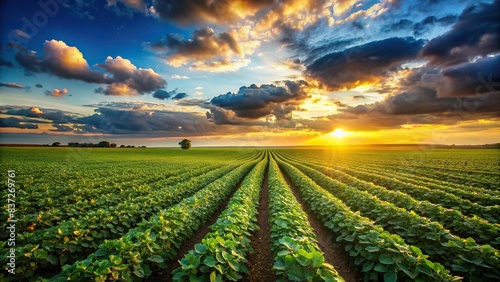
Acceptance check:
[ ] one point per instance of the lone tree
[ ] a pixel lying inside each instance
(185, 144)
(104, 144)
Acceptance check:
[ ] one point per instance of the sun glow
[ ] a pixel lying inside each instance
(339, 133)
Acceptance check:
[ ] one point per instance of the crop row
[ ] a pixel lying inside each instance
(491, 213)
(380, 255)
(73, 239)
(463, 256)
(481, 230)
(222, 253)
(408, 172)
(133, 193)
(152, 242)
(480, 196)
(459, 177)
(297, 254)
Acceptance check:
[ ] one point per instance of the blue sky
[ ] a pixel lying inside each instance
(249, 72)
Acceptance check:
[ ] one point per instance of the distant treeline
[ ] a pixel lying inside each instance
(483, 146)
(102, 144)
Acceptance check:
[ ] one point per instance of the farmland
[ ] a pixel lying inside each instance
(251, 214)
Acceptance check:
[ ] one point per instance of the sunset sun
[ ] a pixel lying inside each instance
(339, 133)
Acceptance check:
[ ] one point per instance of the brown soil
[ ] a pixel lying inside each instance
(166, 273)
(334, 252)
(261, 262)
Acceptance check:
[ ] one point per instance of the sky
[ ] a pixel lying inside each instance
(250, 72)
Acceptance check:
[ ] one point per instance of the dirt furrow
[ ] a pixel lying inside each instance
(165, 274)
(333, 252)
(260, 263)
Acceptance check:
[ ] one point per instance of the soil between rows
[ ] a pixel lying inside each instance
(260, 263)
(333, 252)
(166, 274)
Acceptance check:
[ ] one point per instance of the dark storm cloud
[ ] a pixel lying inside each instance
(200, 11)
(364, 63)
(12, 85)
(123, 121)
(481, 76)
(6, 63)
(425, 101)
(38, 85)
(422, 106)
(17, 123)
(255, 102)
(477, 32)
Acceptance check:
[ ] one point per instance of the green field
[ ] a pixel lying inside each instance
(213, 214)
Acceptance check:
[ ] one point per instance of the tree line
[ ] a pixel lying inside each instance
(102, 144)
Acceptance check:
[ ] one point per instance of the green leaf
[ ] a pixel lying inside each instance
(367, 266)
(40, 254)
(210, 261)
(385, 259)
(317, 259)
(179, 275)
(380, 268)
(53, 259)
(115, 259)
(215, 277)
(139, 272)
(200, 248)
(372, 249)
(279, 264)
(390, 277)
(156, 258)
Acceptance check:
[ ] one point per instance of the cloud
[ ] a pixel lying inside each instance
(179, 96)
(176, 76)
(17, 123)
(369, 62)
(203, 49)
(68, 62)
(201, 11)
(53, 115)
(138, 5)
(38, 85)
(57, 93)
(61, 128)
(21, 33)
(162, 94)
(468, 79)
(160, 122)
(255, 102)
(358, 97)
(477, 33)
(424, 25)
(61, 60)
(339, 104)
(128, 80)
(6, 63)
(12, 85)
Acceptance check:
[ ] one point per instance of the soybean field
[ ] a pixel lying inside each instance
(250, 214)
